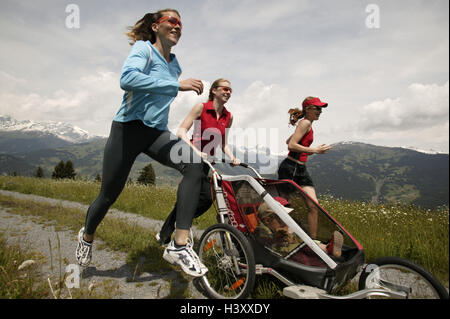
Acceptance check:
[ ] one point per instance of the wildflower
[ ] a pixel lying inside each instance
(26, 264)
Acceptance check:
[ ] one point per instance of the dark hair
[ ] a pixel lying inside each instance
(296, 114)
(142, 30)
(215, 85)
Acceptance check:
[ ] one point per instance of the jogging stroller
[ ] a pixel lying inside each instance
(242, 246)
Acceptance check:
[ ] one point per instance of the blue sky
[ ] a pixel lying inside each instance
(385, 86)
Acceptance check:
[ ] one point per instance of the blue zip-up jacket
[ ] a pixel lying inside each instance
(150, 84)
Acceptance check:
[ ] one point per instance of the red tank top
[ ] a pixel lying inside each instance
(306, 140)
(209, 132)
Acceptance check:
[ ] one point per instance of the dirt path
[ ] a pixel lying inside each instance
(108, 272)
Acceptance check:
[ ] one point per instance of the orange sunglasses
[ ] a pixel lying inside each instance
(172, 20)
(226, 89)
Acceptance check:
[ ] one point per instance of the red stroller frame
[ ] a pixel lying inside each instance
(301, 265)
(242, 245)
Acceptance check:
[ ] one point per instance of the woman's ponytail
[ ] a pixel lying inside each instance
(142, 30)
(295, 115)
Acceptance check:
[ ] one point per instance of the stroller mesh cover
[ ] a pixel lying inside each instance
(250, 214)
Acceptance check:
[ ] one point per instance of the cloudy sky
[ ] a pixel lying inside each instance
(381, 65)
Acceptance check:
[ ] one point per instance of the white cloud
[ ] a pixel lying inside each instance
(423, 106)
(9, 82)
(89, 104)
(252, 14)
(260, 105)
(419, 119)
(261, 110)
(274, 52)
(257, 111)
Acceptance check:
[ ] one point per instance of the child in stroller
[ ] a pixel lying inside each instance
(273, 233)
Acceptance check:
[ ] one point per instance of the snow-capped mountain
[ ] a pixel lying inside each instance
(412, 148)
(64, 131)
(430, 151)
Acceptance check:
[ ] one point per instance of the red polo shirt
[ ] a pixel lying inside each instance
(209, 132)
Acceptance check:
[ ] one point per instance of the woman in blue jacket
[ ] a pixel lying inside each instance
(150, 79)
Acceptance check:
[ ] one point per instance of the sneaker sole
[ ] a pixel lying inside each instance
(80, 236)
(171, 261)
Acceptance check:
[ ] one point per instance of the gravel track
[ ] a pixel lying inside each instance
(108, 268)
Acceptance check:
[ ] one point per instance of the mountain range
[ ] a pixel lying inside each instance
(55, 131)
(351, 170)
(359, 171)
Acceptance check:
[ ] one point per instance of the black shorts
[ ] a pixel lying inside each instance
(297, 172)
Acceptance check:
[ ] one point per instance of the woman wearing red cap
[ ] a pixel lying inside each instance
(299, 146)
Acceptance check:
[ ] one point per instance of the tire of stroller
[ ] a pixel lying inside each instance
(404, 271)
(221, 281)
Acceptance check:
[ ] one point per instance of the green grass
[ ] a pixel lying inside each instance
(144, 254)
(19, 284)
(139, 243)
(29, 283)
(150, 201)
(419, 235)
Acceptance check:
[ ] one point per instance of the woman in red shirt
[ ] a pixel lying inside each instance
(211, 121)
(299, 146)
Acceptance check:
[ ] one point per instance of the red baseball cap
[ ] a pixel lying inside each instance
(315, 101)
(284, 202)
(281, 200)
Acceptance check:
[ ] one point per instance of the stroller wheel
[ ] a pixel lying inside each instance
(400, 274)
(230, 261)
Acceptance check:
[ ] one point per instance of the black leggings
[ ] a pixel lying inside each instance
(126, 141)
(204, 203)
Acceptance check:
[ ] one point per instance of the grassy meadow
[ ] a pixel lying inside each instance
(15, 283)
(419, 235)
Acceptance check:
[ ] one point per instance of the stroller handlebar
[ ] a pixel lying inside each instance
(211, 160)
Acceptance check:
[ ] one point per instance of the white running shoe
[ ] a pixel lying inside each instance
(84, 250)
(190, 242)
(186, 258)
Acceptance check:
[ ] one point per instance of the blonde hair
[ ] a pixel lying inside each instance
(215, 85)
(142, 29)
